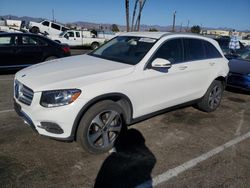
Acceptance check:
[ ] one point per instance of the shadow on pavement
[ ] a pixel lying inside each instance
(130, 166)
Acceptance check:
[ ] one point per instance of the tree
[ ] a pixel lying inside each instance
(135, 19)
(134, 12)
(127, 14)
(196, 29)
(114, 28)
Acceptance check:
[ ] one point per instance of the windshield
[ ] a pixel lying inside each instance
(125, 49)
(61, 34)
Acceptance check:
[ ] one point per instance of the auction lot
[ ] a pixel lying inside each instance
(150, 148)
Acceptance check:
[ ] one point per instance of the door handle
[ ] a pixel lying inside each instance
(183, 67)
(212, 63)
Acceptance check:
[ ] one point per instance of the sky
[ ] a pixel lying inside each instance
(206, 13)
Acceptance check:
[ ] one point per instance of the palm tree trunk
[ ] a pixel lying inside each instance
(133, 18)
(127, 14)
(138, 20)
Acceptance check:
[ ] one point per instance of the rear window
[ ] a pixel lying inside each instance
(30, 40)
(55, 26)
(194, 49)
(7, 40)
(211, 51)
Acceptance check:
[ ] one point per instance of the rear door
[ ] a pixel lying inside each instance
(29, 50)
(200, 70)
(7, 51)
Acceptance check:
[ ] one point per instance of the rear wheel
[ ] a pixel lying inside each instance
(211, 100)
(94, 45)
(34, 30)
(100, 127)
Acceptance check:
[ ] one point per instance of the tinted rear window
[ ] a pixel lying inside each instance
(211, 51)
(55, 26)
(194, 49)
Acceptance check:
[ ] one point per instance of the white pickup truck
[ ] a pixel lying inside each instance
(79, 38)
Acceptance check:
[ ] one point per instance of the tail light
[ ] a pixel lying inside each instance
(66, 49)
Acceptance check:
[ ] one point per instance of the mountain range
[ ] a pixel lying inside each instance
(107, 26)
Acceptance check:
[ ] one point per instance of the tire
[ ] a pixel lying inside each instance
(50, 58)
(34, 30)
(100, 127)
(211, 100)
(94, 45)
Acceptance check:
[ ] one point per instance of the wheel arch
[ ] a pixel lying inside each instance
(119, 98)
(223, 80)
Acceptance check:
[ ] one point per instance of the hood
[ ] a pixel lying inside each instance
(239, 66)
(71, 72)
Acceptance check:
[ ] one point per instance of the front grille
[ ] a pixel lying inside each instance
(23, 93)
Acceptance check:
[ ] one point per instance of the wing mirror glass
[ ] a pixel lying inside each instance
(161, 63)
(66, 36)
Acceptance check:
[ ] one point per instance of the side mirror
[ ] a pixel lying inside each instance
(66, 36)
(161, 63)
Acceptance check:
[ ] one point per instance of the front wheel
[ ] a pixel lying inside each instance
(100, 127)
(211, 100)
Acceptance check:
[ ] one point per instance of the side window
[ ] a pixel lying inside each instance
(171, 50)
(71, 34)
(64, 29)
(46, 23)
(194, 49)
(7, 40)
(211, 51)
(55, 26)
(77, 34)
(27, 40)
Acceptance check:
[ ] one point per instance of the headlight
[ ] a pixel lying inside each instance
(56, 98)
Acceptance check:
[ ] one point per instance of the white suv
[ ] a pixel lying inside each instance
(90, 98)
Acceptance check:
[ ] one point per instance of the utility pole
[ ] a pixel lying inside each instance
(187, 26)
(53, 16)
(181, 27)
(173, 29)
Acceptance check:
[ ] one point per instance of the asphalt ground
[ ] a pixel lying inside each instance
(182, 148)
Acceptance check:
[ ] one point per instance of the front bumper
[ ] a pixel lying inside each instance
(24, 116)
(55, 122)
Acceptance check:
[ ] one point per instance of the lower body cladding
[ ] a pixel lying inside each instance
(54, 122)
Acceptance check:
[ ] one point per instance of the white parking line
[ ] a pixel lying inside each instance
(164, 177)
(5, 111)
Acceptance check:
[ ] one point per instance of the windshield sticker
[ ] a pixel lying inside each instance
(148, 40)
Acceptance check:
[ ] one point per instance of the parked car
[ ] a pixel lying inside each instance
(76, 38)
(18, 50)
(46, 27)
(91, 97)
(239, 75)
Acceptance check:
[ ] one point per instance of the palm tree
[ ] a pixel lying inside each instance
(133, 18)
(138, 20)
(127, 14)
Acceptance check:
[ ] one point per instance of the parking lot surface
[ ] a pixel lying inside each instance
(146, 151)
